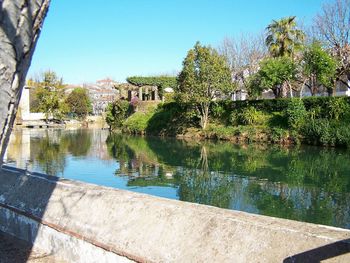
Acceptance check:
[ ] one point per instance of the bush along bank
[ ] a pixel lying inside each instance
(314, 120)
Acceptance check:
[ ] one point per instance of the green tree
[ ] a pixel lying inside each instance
(79, 103)
(332, 27)
(319, 68)
(277, 74)
(52, 103)
(283, 37)
(204, 76)
(49, 96)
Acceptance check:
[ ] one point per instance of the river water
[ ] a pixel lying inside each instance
(310, 184)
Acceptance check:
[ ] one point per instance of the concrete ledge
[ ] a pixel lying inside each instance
(143, 228)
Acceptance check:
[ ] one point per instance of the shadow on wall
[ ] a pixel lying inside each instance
(22, 206)
(320, 254)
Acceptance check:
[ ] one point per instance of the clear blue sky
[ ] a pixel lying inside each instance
(87, 40)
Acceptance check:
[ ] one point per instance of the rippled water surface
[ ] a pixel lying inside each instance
(307, 183)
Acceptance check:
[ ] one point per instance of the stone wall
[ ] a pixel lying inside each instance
(73, 220)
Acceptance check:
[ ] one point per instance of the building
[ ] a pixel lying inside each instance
(101, 94)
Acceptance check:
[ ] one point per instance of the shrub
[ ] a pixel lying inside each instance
(296, 114)
(342, 135)
(116, 113)
(138, 122)
(336, 108)
(217, 110)
(277, 134)
(319, 131)
(251, 116)
(234, 118)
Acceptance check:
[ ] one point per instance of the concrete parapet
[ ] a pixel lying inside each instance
(86, 223)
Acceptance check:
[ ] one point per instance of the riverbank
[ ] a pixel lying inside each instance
(320, 121)
(93, 122)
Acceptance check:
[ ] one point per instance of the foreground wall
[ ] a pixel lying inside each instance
(20, 26)
(85, 223)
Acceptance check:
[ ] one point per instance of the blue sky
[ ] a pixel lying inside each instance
(87, 40)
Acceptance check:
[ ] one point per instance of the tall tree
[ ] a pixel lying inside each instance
(319, 68)
(277, 74)
(283, 37)
(332, 27)
(243, 55)
(204, 76)
(20, 26)
(79, 103)
(49, 96)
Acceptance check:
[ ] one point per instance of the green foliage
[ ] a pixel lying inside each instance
(296, 114)
(221, 132)
(79, 103)
(49, 96)
(254, 86)
(217, 110)
(283, 37)
(274, 73)
(312, 120)
(325, 132)
(205, 73)
(280, 105)
(138, 122)
(161, 82)
(170, 119)
(116, 113)
(342, 134)
(251, 116)
(278, 134)
(234, 118)
(52, 103)
(320, 65)
(336, 108)
(319, 132)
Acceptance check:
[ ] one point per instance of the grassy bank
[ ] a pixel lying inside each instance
(315, 121)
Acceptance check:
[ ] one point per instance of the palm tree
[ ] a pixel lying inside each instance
(283, 37)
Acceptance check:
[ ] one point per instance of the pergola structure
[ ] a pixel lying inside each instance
(144, 93)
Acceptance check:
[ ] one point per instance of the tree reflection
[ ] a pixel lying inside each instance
(78, 142)
(307, 184)
(50, 155)
(49, 149)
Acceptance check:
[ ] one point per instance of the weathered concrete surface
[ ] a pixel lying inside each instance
(20, 26)
(150, 229)
(13, 250)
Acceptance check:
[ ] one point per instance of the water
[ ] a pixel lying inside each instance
(308, 184)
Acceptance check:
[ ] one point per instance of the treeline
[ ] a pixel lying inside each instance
(48, 96)
(312, 120)
(287, 59)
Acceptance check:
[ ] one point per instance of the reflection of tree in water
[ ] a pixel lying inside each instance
(78, 142)
(50, 155)
(50, 150)
(200, 185)
(301, 203)
(137, 161)
(308, 184)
